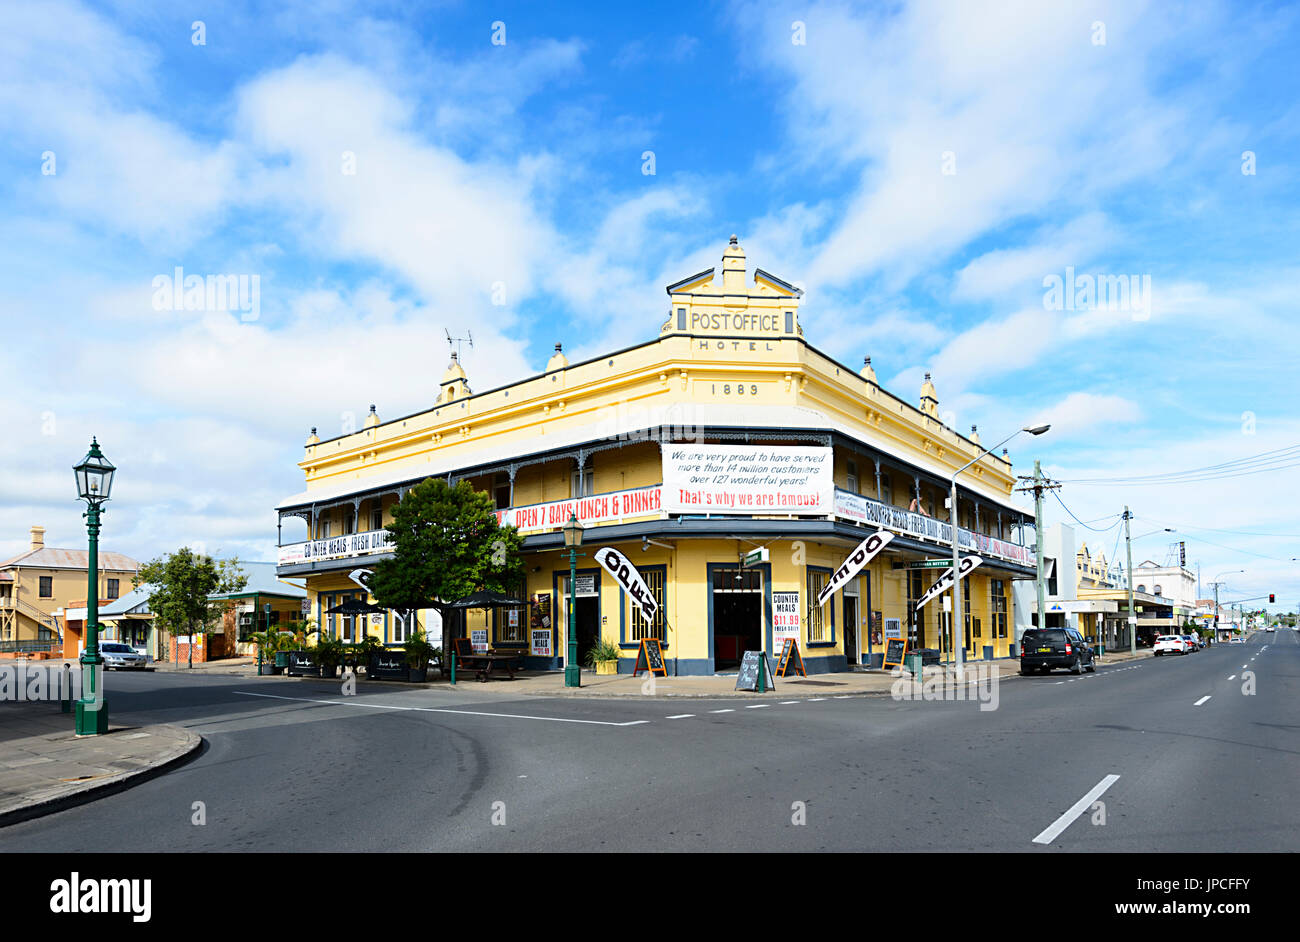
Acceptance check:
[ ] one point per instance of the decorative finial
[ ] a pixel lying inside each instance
(866, 361)
(557, 348)
(973, 429)
(313, 430)
(372, 408)
(733, 238)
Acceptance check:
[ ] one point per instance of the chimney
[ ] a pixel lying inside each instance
(38, 538)
(733, 268)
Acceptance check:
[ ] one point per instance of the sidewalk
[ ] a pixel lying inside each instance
(845, 683)
(45, 767)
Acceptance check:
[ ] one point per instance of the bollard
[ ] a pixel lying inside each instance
(453, 668)
(65, 701)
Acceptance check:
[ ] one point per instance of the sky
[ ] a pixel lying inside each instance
(932, 174)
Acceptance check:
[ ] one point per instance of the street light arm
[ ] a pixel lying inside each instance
(986, 452)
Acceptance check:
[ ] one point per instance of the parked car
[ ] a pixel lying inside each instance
(1193, 644)
(1170, 644)
(122, 656)
(1042, 649)
(1236, 639)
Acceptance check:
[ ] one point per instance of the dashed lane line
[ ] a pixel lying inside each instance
(1200, 701)
(1064, 821)
(680, 716)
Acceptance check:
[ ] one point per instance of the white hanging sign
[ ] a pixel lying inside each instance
(618, 566)
(944, 582)
(864, 553)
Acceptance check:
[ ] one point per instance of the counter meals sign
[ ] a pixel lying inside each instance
(747, 479)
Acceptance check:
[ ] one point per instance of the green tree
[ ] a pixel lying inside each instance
(180, 584)
(447, 544)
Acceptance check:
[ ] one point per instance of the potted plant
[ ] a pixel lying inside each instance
(603, 657)
(369, 649)
(273, 648)
(329, 653)
(418, 653)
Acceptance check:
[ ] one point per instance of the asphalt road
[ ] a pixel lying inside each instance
(1180, 756)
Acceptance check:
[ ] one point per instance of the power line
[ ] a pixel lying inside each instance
(1275, 460)
(1081, 523)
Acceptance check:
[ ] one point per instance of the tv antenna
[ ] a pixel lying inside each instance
(457, 341)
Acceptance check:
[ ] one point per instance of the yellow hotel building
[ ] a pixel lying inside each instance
(727, 434)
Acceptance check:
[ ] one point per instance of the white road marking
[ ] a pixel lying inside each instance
(1200, 701)
(384, 706)
(788, 702)
(1076, 809)
(758, 706)
(815, 699)
(1232, 677)
(680, 716)
(845, 696)
(722, 711)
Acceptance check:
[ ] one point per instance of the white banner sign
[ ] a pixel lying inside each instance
(864, 553)
(944, 582)
(478, 639)
(618, 566)
(785, 619)
(541, 642)
(747, 479)
(600, 508)
(866, 510)
(354, 544)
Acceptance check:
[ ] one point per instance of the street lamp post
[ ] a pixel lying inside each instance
(958, 621)
(572, 540)
(94, 485)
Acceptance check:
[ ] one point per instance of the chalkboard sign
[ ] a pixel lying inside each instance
(302, 664)
(791, 659)
(650, 657)
(389, 665)
(755, 668)
(895, 648)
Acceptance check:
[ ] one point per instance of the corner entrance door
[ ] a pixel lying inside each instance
(851, 628)
(737, 615)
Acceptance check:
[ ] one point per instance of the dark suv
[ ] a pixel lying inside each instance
(1041, 649)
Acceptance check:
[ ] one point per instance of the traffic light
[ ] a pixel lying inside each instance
(1270, 598)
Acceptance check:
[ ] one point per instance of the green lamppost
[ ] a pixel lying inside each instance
(572, 540)
(94, 484)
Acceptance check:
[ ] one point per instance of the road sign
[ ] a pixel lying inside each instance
(755, 557)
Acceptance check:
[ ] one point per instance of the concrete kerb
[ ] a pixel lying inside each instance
(186, 744)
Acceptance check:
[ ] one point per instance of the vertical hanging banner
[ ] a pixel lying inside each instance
(618, 566)
(944, 582)
(864, 553)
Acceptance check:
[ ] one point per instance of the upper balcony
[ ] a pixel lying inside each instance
(651, 502)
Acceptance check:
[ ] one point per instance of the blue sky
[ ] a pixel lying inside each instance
(919, 168)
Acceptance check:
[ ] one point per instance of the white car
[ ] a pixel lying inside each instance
(1236, 640)
(122, 656)
(1270, 629)
(1170, 644)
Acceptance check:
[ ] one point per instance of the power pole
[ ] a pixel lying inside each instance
(1039, 484)
(1132, 612)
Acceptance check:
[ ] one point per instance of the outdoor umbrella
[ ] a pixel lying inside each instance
(488, 600)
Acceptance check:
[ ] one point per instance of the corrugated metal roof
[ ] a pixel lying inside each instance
(135, 602)
(262, 579)
(48, 557)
